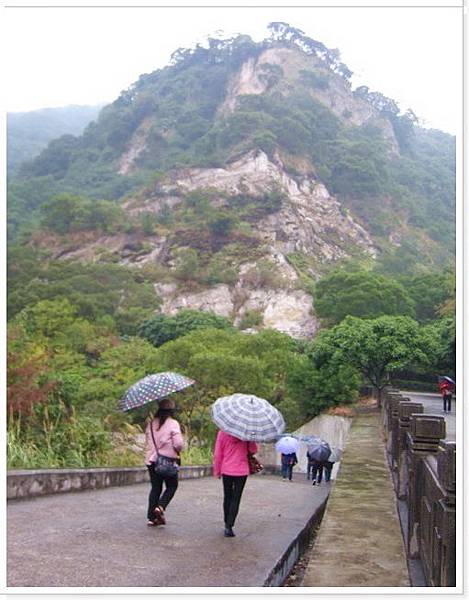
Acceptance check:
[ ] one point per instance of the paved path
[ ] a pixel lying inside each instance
(434, 406)
(100, 538)
(360, 543)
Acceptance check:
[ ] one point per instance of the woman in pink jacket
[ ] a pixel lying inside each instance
(162, 437)
(230, 461)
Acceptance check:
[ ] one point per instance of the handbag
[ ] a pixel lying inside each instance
(254, 465)
(164, 465)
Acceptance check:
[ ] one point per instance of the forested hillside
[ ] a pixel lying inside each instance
(244, 187)
(29, 132)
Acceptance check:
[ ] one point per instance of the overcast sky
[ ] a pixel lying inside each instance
(60, 56)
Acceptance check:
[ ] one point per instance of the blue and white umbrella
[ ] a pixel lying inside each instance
(153, 387)
(309, 438)
(247, 417)
(287, 445)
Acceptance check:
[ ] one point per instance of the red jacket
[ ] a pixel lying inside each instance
(231, 455)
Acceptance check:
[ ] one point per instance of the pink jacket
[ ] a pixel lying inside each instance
(168, 439)
(231, 455)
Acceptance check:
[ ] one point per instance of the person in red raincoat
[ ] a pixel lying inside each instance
(446, 390)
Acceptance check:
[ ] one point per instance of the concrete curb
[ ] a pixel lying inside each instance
(295, 550)
(41, 482)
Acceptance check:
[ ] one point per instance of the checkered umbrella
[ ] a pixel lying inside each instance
(248, 417)
(153, 387)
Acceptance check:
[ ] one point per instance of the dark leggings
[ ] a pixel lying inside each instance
(156, 498)
(316, 473)
(447, 402)
(232, 489)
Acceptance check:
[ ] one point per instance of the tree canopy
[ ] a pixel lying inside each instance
(361, 294)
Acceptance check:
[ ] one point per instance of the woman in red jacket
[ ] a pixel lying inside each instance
(230, 461)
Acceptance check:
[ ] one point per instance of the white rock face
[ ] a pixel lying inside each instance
(289, 311)
(310, 221)
(217, 299)
(337, 96)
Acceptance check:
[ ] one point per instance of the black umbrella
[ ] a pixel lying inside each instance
(319, 450)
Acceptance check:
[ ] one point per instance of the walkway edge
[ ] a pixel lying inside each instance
(295, 550)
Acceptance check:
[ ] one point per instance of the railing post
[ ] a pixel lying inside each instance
(393, 441)
(445, 525)
(426, 431)
(388, 393)
(406, 410)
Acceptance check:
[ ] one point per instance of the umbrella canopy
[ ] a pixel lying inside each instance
(153, 387)
(335, 455)
(319, 449)
(309, 438)
(247, 417)
(287, 445)
(444, 379)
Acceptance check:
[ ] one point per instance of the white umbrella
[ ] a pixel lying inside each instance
(287, 445)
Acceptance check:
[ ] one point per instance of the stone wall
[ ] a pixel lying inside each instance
(423, 468)
(330, 428)
(24, 484)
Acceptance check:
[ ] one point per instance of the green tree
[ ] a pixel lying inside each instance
(360, 294)
(374, 347)
(162, 328)
(222, 223)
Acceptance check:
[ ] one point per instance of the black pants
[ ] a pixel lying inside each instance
(328, 470)
(447, 402)
(156, 498)
(287, 470)
(232, 491)
(316, 472)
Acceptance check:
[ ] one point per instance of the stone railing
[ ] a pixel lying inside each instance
(24, 484)
(423, 467)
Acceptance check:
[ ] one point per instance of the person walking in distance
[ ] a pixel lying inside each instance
(334, 456)
(309, 466)
(317, 468)
(288, 462)
(447, 393)
(230, 462)
(163, 441)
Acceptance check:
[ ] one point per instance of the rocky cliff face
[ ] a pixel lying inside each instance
(337, 96)
(252, 79)
(309, 221)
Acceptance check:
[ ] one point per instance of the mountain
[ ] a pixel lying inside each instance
(237, 176)
(29, 132)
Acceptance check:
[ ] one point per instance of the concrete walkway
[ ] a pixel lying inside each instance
(360, 542)
(100, 538)
(433, 404)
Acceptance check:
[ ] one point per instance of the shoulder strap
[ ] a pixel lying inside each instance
(153, 437)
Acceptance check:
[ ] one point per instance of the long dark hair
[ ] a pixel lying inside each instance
(162, 414)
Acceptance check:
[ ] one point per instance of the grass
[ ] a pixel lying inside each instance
(23, 452)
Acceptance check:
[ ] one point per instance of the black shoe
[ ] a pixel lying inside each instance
(229, 532)
(314, 482)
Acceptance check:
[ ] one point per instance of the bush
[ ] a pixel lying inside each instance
(252, 318)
